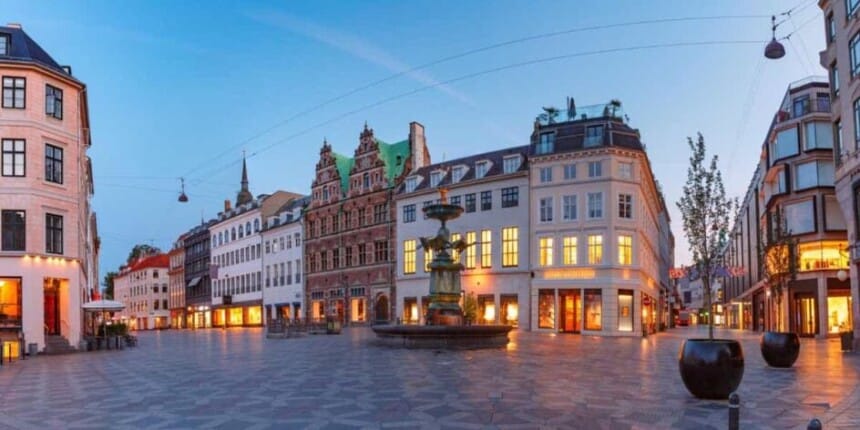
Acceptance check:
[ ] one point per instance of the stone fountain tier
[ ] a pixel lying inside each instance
(443, 336)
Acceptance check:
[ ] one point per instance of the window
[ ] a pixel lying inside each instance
(13, 157)
(366, 180)
(831, 28)
(409, 256)
(569, 171)
(486, 200)
(850, 8)
(510, 197)
(457, 174)
(834, 80)
(593, 136)
(595, 249)
(435, 178)
(568, 208)
(818, 135)
(593, 309)
(470, 202)
(481, 169)
(380, 213)
(545, 175)
(856, 123)
(625, 310)
(595, 205)
(411, 183)
(510, 241)
(785, 145)
(380, 250)
(545, 143)
(428, 258)
(424, 205)
(511, 164)
(545, 251)
(625, 170)
(800, 106)
(454, 200)
(14, 91)
(470, 250)
(822, 102)
(854, 50)
(362, 255)
(569, 251)
(546, 308)
(595, 169)
(53, 102)
(546, 209)
(4, 44)
(409, 213)
(455, 255)
(14, 230)
(814, 173)
(362, 216)
(625, 250)
(625, 206)
(800, 217)
(53, 164)
(486, 248)
(53, 234)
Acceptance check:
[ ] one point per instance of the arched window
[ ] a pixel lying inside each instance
(248, 228)
(325, 193)
(233, 233)
(241, 232)
(220, 238)
(256, 225)
(366, 180)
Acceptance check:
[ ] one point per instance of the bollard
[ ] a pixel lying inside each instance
(734, 411)
(815, 424)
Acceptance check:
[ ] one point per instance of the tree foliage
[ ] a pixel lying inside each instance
(107, 283)
(779, 256)
(141, 250)
(705, 212)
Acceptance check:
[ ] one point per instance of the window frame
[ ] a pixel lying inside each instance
(594, 211)
(54, 97)
(545, 209)
(510, 246)
(51, 162)
(510, 197)
(486, 200)
(7, 227)
(595, 169)
(625, 206)
(569, 207)
(14, 91)
(53, 233)
(13, 153)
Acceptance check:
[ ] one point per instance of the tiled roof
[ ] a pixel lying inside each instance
(496, 158)
(570, 136)
(25, 49)
(159, 260)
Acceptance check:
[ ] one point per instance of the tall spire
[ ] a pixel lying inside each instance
(244, 195)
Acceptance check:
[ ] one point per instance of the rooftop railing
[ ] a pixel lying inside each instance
(579, 113)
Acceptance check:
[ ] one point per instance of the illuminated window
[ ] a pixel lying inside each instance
(470, 251)
(255, 315)
(625, 310)
(486, 309)
(593, 310)
(486, 248)
(235, 316)
(569, 248)
(410, 310)
(625, 250)
(509, 310)
(428, 258)
(455, 255)
(409, 256)
(545, 251)
(839, 313)
(10, 301)
(510, 240)
(546, 309)
(823, 255)
(595, 249)
(357, 308)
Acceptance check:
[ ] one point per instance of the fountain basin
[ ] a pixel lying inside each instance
(443, 336)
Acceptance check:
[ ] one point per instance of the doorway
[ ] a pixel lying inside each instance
(381, 310)
(805, 315)
(571, 311)
(52, 306)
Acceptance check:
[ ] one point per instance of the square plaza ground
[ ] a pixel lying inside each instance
(237, 379)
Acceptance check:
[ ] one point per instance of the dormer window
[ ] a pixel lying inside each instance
(435, 178)
(593, 136)
(4, 44)
(511, 164)
(481, 169)
(457, 173)
(546, 143)
(411, 183)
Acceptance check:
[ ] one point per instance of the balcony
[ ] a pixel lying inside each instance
(551, 116)
(814, 105)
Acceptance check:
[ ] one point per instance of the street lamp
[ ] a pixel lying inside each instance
(774, 50)
(842, 275)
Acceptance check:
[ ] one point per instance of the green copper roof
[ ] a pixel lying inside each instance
(344, 167)
(389, 152)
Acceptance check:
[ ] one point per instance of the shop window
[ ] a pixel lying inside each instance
(357, 309)
(510, 310)
(546, 309)
(235, 316)
(255, 315)
(10, 302)
(410, 310)
(317, 310)
(839, 313)
(823, 255)
(625, 310)
(593, 309)
(487, 309)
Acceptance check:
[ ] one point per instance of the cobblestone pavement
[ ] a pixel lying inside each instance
(238, 379)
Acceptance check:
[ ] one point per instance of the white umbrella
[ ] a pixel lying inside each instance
(102, 306)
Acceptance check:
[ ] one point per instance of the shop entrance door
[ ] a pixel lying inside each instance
(571, 311)
(805, 318)
(52, 306)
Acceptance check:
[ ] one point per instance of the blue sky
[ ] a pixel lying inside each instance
(181, 88)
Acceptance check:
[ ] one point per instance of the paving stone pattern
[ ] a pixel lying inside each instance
(238, 379)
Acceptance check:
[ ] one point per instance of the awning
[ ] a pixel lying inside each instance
(194, 282)
(103, 305)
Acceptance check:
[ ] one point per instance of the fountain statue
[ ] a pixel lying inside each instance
(445, 325)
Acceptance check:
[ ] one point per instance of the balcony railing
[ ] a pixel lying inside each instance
(816, 105)
(578, 113)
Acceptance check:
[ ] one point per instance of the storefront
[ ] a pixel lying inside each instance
(238, 316)
(198, 317)
(623, 312)
(177, 319)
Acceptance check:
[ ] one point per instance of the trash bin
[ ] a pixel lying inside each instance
(847, 338)
(32, 349)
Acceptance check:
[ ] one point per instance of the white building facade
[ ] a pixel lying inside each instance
(142, 287)
(283, 291)
(493, 189)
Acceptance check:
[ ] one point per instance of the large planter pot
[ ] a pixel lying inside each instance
(780, 349)
(846, 338)
(711, 369)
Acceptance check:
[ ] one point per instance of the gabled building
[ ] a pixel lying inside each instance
(283, 291)
(493, 189)
(142, 287)
(350, 227)
(176, 283)
(49, 252)
(197, 279)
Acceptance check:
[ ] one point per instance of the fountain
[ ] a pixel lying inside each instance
(446, 326)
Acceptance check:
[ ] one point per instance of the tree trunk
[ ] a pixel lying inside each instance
(706, 284)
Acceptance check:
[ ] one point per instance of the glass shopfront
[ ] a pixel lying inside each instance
(410, 310)
(593, 309)
(357, 307)
(839, 312)
(510, 310)
(317, 310)
(546, 309)
(625, 310)
(255, 315)
(571, 311)
(486, 309)
(10, 302)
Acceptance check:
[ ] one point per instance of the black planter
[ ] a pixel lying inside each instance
(780, 349)
(711, 369)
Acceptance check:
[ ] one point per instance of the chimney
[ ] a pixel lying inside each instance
(227, 205)
(14, 25)
(418, 146)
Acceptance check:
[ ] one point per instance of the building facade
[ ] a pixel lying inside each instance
(493, 189)
(236, 250)
(350, 227)
(795, 188)
(841, 25)
(176, 284)
(142, 287)
(595, 209)
(197, 280)
(283, 290)
(49, 253)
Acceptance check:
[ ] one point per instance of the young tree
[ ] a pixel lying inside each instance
(107, 283)
(780, 258)
(705, 212)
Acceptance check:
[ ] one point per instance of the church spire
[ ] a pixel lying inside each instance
(244, 195)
